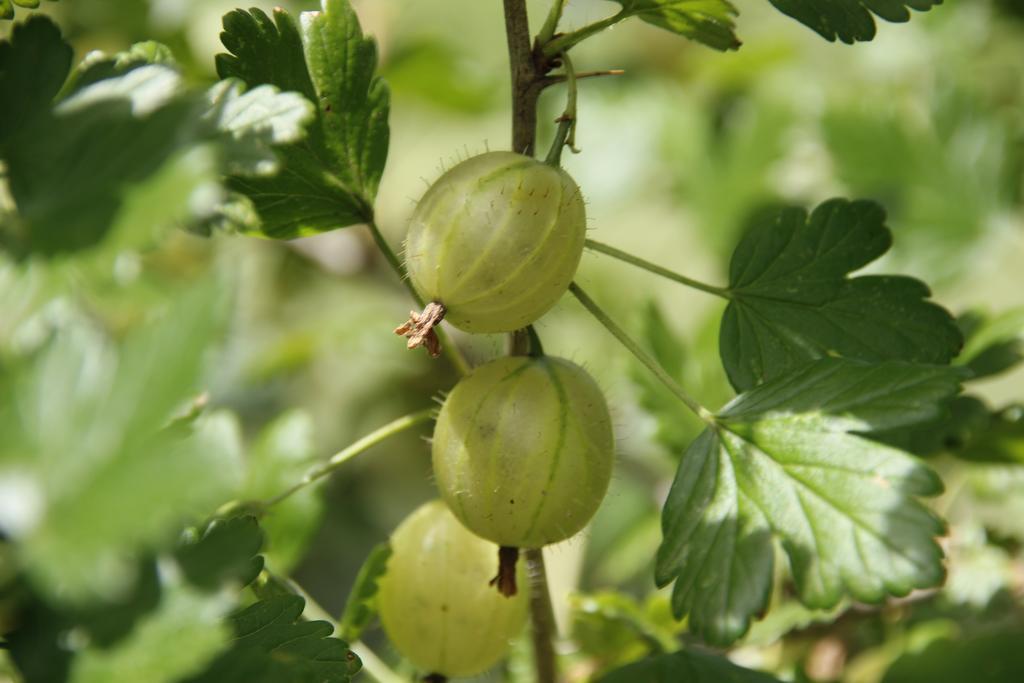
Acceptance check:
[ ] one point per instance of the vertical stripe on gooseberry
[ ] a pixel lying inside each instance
(462, 450)
(455, 224)
(541, 244)
(563, 417)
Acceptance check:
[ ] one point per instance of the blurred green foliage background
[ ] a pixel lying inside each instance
(928, 119)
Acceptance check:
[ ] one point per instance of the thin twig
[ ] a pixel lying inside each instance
(633, 347)
(341, 457)
(656, 269)
(555, 79)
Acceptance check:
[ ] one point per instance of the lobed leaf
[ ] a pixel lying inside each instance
(791, 301)
(850, 20)
(781, 463)
(707, 21)
(330, 179)
(272, 645)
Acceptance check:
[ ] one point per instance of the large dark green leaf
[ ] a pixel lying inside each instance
(74, 181)
(330, 179)
(792, 302)
(781, 462)
(689, 666)
(706, 21)
(850, 20)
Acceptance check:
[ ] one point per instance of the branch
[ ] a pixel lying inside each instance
(525, 77)
(548, 81)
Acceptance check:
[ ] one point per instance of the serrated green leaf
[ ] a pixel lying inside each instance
(74, 183)
(227, 551)
(330, 179)
(97, 479)
(271, 645)
(781, 463)
(850, 20)
(361, 607)
(71, 174)
(707, 21)
(34, 62)
(254, 122)
(792, 302)
(687, 665)
(179, 638)
(98, 66)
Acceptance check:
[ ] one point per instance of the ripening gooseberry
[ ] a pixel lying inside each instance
(523, 450)
(494, 243)
(434, 601)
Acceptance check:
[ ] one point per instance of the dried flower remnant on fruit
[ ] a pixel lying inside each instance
(495, 241)
(419, 328)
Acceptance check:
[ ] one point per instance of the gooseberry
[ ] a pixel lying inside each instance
(433, 598)
(493, 244)
(523, 450)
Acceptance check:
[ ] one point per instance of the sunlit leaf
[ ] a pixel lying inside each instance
(330, 179)
(780, 463)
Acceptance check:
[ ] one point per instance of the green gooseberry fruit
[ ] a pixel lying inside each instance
(496, 241)
(434, 601)
(523, 450)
